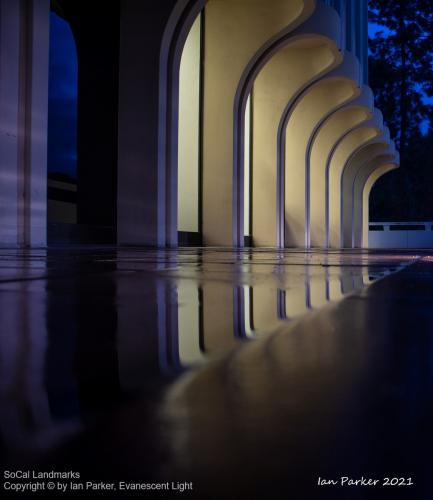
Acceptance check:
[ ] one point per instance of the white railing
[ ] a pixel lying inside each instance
(400, 234)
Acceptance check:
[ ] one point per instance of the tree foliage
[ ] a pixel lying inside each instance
(401, 75)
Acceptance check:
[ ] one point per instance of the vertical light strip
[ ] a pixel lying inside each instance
(247, 169)
(189, 131)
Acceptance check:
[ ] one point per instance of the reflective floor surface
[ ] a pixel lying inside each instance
(253, 374)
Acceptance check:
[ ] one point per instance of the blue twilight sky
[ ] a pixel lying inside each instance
(373, 28)
(62, 99)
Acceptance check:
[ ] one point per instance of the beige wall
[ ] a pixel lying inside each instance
(234, 31)
(282, 78)
(189, 132)
(322, 98)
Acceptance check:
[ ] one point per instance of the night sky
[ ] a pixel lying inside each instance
(62, 106)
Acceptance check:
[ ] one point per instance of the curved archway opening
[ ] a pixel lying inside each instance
(62, 125)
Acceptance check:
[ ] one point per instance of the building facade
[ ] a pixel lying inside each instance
(216, 123)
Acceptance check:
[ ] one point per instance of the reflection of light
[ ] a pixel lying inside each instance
(249, 332)
(214, 320)
(189, 323)
(297, 296)
(318, 288)
(335, 291)
(265, 308)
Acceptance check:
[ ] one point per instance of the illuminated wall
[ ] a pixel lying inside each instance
(189, 132)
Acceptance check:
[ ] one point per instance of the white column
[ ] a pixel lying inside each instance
(24, 47)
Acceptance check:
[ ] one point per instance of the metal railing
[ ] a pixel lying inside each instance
(401, 234)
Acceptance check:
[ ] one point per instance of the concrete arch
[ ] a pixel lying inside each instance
(358, 190)
(334, 128)
(151, 44)
(340, 154)
(239, 37)
(312, 51)
(301, 123)
(374, 176)
(357, 162)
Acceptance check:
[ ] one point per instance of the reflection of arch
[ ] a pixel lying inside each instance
(28, 411)
(382, 170)
(190, 323)
(319, 286)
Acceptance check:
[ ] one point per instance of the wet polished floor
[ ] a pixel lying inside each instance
(248, 374)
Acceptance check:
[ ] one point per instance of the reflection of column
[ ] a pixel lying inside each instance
(318, 276)
(248, 312)
(24, 29)
(189, 323)
(25, 413)
(347, 284)
(358, 281)
(93, 306)
(335, 290)
(61, 324)
(264, 308)
(143, 324)
(366, 278)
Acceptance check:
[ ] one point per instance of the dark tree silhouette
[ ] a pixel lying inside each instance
(401, 75)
